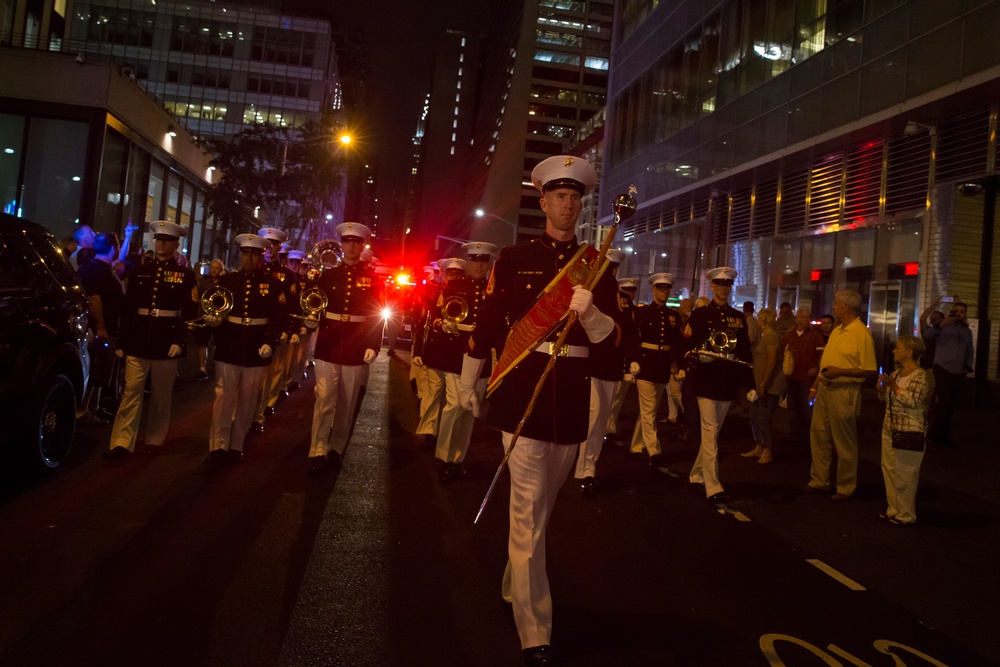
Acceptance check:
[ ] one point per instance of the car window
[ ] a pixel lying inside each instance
(15, 272)
(53, 259)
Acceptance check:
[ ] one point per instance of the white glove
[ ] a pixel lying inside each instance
(370, 355)
(680, 375)
(264, 351)
(310, 323)
(302, 331)
(752, 395)
(633, 368)
(119, 353)
(174, 351)
(283, 338)
(468, 394)
(212, 320)
(597, 325)
(294, 339)
(628, 377)
(417, 361)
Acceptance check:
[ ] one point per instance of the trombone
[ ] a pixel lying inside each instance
(216, 302)
(313, 302)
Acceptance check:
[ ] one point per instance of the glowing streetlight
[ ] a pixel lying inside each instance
(480, 213)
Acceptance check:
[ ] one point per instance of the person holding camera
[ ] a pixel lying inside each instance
(953, 360)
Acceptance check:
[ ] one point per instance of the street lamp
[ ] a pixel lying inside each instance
(480, 213)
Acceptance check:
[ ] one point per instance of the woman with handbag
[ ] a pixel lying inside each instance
(905, 394)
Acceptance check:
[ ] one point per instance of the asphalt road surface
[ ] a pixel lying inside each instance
(160, 561)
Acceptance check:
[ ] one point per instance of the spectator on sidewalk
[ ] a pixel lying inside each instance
(753, 326)
(770, 385)
(84, 236)
(805, 346)
(785, 321)
(848, 359)
(825, 327)
(906, 390)
(953, 360)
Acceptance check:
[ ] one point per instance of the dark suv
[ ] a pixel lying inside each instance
(44, 364)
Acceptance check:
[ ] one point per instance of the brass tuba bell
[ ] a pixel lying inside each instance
(326, 254)
(722, 341)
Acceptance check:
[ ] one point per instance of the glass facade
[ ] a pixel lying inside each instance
(814, 145)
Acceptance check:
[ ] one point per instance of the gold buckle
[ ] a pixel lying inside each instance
(344, 317)
(563, 352)
(154, 312)
(246, 320)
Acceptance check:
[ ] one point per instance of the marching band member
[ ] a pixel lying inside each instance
(607, 369)
(547, 445)
(445, 347)
(274, 264)
(657, 350)
(716, 382)
(627, 288)
(299, 265)
(160, 297)
(348, 339)
(429, 390)
(245, 342)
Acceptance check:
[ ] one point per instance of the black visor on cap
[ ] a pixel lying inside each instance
(662, 285)
(165, 237)
(722, 281)
(563, 183)
(479, 258)
(352, 237)
(249, 248)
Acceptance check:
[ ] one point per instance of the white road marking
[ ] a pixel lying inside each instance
(850, 583)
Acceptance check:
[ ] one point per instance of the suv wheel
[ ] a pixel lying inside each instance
(53, 422)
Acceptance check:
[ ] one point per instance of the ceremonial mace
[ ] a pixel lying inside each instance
(623, 207)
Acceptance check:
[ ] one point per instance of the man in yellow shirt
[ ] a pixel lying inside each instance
(849, 358)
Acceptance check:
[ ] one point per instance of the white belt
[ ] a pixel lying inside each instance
(581, 351)
(344, 317)
(652, 346)
(247, 321)
(157, 312)
(465, 327)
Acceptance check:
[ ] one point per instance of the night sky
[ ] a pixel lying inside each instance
(401, 37)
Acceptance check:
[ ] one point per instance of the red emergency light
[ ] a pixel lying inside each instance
(814, 276)
(910, 268)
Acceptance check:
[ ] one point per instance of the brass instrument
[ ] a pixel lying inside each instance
(215, 302)
(454, 311)
(313, 302)
(721, 344)
(326, 254)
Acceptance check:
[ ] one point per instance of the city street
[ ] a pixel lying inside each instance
(161, 561)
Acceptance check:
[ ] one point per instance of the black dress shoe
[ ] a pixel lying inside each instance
(447, 472)
(216, 457)
(589, 486)
(201, 375)
(106, 415)
(257, 427)
(428, 442)
(268, 411)
(117, 454)
(720, 498)
(235, 456)
(317, 464)
(537, 656)
(292, 386)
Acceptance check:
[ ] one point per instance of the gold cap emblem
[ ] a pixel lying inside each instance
(568, 162)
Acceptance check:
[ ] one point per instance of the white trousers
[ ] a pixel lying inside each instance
(602, 393)
(274, 380)
(644, 436)
(455, 426)
(675, 407)
(537, 470)
(236, 390)
(901, 472)
(431, 402)
(621, 391)
(337, 388)
(706, 465)
(161, 373)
